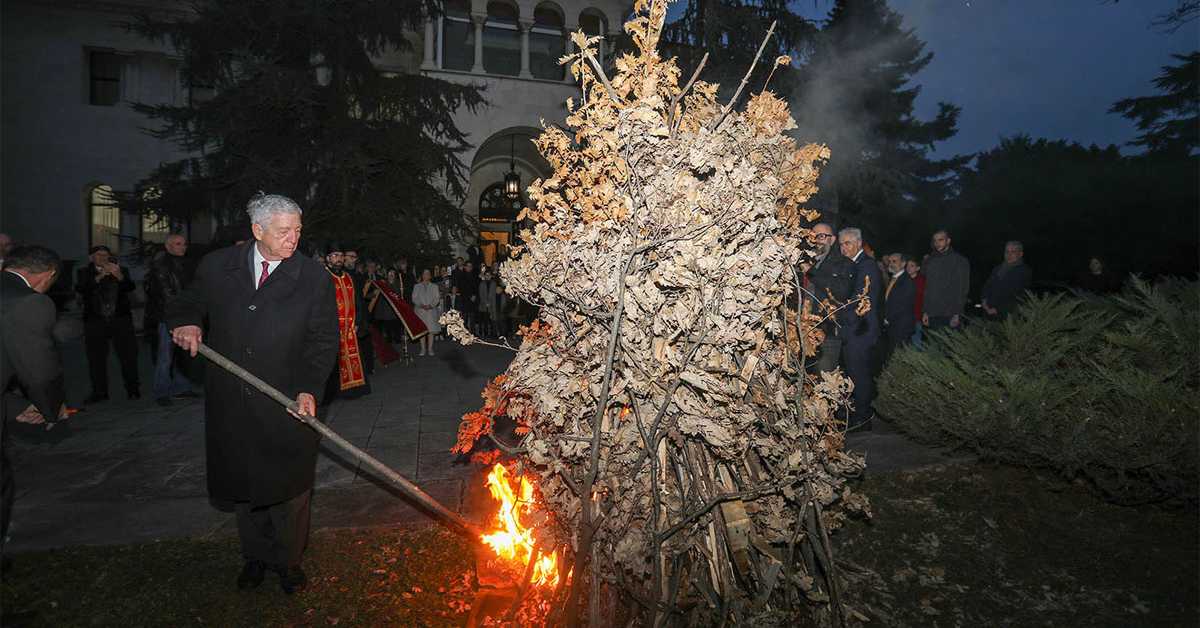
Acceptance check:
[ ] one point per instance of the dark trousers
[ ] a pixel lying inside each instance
(96, 335)
(940, 322)
(829, 354)
(392, 330)
(893, 339)
(274, 534)
(856, 363)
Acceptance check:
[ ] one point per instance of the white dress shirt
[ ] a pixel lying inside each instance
(256, 270)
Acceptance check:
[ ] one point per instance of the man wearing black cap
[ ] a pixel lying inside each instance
(349, 379)
(105, 287)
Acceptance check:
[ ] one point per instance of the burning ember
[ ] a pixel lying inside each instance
(512, 540)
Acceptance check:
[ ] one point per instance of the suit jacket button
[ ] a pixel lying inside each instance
(253, 307)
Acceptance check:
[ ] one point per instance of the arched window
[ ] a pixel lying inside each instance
(495, 207)
(501, 40)
(594, 24)
(547, 43)
(458, 36)
(104, 219)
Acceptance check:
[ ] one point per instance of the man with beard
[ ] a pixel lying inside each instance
(947, 280)
(357, 269)
(349, 379)
(828, 281)
(900, 296)
(271, 312)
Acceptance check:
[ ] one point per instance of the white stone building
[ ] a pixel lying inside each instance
(70, 69)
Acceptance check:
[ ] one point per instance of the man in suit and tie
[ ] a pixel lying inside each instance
(861, 330)
(273, 313)
(900, 296)
(27, 349)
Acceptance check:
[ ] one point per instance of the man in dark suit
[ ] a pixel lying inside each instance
(27, 350)
(828, 281)
(900, 296)
(273, 313)
(861, 332)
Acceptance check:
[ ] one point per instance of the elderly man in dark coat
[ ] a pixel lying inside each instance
(861, 332)
(1007, 283)
(27, 350)
(273, 313)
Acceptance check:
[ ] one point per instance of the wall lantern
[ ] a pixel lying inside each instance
(512, 180)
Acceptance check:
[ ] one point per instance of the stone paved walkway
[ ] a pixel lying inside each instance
(131, 471)
(128, 471)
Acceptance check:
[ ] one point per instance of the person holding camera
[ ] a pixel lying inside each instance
(104, 287)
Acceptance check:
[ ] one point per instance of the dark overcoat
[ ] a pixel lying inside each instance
(27, 349)
(863, 330)
(899, 308)
(285, 333)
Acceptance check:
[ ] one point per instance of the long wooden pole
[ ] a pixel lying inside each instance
(402, 483)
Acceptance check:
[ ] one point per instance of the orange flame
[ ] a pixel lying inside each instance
(513, 541)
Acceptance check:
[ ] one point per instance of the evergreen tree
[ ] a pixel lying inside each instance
(297, 105)
(730, 32)
(856, 96)
(1170, 121)
(1068, 202)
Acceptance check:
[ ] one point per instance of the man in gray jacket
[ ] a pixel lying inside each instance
(947, 280)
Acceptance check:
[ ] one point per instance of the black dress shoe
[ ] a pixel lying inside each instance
(134, 395)
(186, 395)
(292, 579)
(96, 398)
(164, 401)
(252, 575)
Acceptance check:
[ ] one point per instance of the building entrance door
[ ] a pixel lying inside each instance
(494, 245)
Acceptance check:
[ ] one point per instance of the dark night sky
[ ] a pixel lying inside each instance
(1049, 68)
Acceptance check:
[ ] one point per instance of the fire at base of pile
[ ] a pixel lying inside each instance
(685, 470)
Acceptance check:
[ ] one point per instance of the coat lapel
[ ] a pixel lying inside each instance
(284, 278)
(237, 268)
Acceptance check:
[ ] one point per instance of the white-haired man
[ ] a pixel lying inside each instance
(862, 331)
(273, 313)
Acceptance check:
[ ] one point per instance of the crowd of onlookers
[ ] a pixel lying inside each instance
(469, 284)
(908, 296)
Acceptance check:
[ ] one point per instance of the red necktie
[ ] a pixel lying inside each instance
(263, 278)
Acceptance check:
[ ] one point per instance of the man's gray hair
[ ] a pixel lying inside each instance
(263, 206)
(1016, 243)
(853, 233)
(901, 256)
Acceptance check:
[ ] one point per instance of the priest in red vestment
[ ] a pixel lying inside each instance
(349, 379)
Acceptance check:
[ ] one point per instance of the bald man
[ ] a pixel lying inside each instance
(170, 274)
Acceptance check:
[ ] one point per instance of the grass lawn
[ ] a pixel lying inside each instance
(978, 545)
(949, 546)
(376, 577)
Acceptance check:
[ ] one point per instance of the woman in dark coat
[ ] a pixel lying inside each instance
(273, 313)
(1098, 279)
